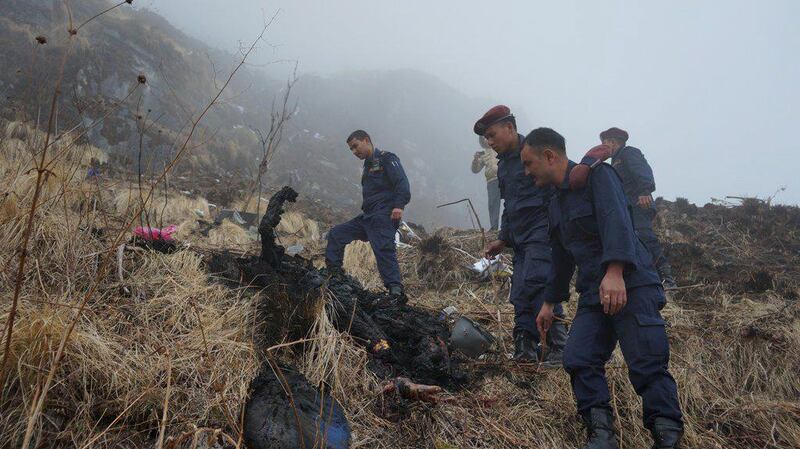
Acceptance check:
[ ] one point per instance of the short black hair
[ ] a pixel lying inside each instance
(541, 138)
(359, 134)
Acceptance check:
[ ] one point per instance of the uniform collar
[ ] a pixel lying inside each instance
(565, 183)
(516, 152)
(376, 153)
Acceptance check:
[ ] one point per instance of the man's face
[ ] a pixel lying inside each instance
(501, 137)
(360, 148)
(613, 143)
(537, 165)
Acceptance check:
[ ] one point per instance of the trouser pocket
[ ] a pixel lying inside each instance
(652, 335)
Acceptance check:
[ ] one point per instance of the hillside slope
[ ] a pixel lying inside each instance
(424, 121)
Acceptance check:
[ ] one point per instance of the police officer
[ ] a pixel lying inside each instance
(385, 192)
(524, 228)
(620, 295)
(639, 185)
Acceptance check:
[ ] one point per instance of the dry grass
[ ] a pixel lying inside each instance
(164, 315)
(230, 235)
(297, 225)
(164, 335)
(161, 211)
(359, 262)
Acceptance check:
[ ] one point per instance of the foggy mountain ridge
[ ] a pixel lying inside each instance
(426, 122)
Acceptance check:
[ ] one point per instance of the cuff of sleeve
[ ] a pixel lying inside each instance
(556, 297)
(628, 259)
(588, 160)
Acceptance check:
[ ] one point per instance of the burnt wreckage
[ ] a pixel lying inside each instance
(403, 340)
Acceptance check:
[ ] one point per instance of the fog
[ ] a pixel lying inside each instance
(708, 90)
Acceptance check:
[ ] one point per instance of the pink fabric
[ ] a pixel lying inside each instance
(149, 233)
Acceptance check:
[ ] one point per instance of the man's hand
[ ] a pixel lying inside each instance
(397, 213)
(478, 155)
(545, 319)
(613, 296)
(645, 201)
(493, 248)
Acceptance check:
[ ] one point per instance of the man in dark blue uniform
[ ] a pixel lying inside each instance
(620, 295)
(639, 184)
(385, 192)
(524, 228)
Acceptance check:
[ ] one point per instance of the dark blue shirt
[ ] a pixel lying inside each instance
(525, 205)
(636, 174)
(384, 183)
(590, 228)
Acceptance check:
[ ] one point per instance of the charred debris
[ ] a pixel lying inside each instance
(408, 346)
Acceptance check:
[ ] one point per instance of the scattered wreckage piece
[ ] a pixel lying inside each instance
(413, 391)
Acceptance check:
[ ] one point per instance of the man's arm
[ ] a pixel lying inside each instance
(639, 168)
(613, 218)
(399, 180)
(495, 247)
(616, 235)
(504, 234)
(561, 271)
(557, 290)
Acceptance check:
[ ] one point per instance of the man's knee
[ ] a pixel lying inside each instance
(334, 235)
(576, 359)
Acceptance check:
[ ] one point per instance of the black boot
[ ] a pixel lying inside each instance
(599, 424)
(525, 348)
(666, 433)
(397, 294)
(556, 340)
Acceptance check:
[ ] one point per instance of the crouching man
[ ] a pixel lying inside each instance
(620, 295)
(385, 193)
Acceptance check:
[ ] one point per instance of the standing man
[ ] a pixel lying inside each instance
(523, 228)
(486, 160)
(620, 295)
(385, 192)
(639, 185)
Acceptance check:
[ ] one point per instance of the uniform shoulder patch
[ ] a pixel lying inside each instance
(390, 157)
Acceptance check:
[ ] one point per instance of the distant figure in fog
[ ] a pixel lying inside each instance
(486, 160)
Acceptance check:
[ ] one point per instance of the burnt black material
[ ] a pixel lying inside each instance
(270, 252)
(405, 341)
(160, 246)
(272, 417)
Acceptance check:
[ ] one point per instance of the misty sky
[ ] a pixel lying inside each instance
(707, 89)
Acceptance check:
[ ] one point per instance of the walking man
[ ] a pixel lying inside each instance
(524, 229)
(639, 184)
(620, 295)
(486, 160)
(385, 192)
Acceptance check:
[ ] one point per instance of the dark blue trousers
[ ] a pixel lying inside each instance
(378, 229)
(642, 337)
(531, 269)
